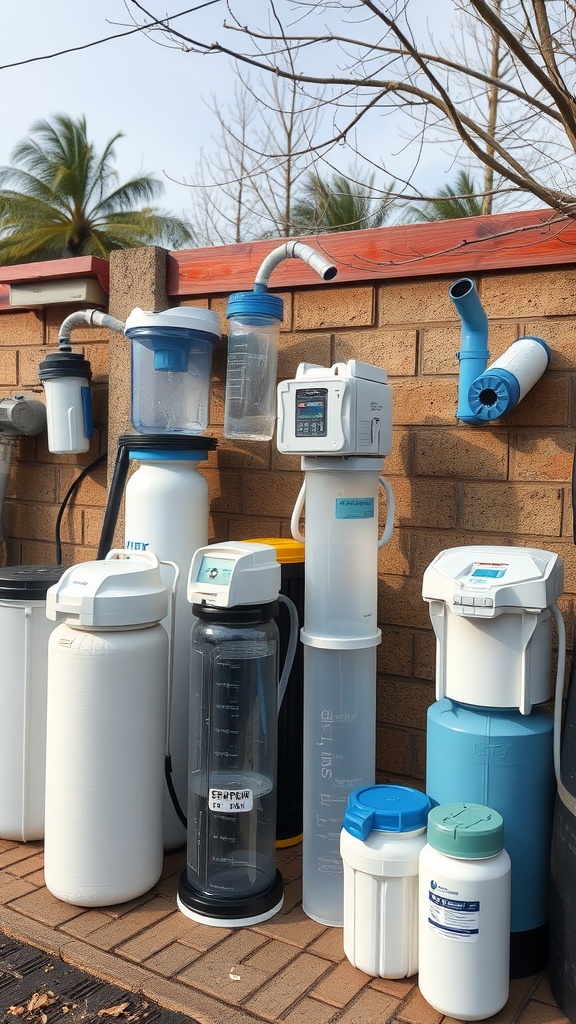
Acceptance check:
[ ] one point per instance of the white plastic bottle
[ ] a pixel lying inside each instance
(464, 912)
(383, 834)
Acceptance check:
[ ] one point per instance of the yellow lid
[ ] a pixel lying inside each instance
(287, 550)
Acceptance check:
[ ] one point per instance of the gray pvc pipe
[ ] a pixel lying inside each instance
(299, 250)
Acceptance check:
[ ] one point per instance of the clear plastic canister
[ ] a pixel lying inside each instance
(383, 834)
(250, 400)
(171, 362)
(464, 912)
(232, 764)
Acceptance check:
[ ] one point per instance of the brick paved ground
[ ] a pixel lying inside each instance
(288, 969)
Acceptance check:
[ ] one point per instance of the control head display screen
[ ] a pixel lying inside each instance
(311, 407)
(215, 570)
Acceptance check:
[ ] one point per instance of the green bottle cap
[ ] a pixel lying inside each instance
(470, 831)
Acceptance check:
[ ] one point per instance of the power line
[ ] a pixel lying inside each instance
(107, 39)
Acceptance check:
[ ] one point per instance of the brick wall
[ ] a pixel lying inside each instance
(454, 484)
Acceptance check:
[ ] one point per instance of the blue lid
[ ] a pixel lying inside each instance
(493, 394)
(385, 809)
(256, 304)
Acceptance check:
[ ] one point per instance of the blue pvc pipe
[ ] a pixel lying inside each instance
(473, 355)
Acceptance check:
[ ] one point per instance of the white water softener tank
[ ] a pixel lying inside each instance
(24, 635)
(106, 726)
(166, 511)
(489, 740)
(464, 912)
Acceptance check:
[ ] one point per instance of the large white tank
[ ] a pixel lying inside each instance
(106, 727)
(24, 635)
(166, 511)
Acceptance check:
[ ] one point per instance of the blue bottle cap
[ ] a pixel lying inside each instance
(385, 809)
(260, 305)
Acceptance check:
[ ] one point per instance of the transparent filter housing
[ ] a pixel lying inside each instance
(231, 877)
(250, 401)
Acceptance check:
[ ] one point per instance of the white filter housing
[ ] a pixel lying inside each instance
(490, 609)
(381, 901)
(106, 720)
(166, 511)
(341, 563)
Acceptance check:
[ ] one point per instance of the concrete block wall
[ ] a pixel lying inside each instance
(509, 483)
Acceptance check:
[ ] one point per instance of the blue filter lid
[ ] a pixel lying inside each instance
(385, 809)
(255, 307)
(173, 334)
(494, 393)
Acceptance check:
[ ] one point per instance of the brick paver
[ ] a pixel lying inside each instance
(289, 969)
(341, 985)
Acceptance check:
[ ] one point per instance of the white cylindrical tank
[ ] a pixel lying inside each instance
(341, 564)
(166, 511)
(383, 833)
(106, 723)
(24, 635)
(464, 912)
(340, 637)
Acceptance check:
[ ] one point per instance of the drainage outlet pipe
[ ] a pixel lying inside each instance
(473, 355)
(508, 379)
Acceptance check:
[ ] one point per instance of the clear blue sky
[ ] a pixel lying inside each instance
(152, 93)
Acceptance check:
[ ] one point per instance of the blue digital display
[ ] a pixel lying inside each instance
(486, 573)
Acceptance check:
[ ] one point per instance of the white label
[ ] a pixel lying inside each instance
(454, 919)
(230, 801)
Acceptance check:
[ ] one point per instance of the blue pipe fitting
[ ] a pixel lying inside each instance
(473, 355)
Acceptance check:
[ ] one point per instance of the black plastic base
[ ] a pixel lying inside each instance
(528, 952)
(216, 909)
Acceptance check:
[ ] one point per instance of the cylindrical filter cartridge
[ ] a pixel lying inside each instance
(383, 834)
(340, 638)
(464, 912)
(509, 378)
(66, 380)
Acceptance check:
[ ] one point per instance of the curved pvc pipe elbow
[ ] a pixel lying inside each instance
(508, 379)
(299, 250)
(473, 355)
(81, 317)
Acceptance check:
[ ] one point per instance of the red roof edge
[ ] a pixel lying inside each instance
(529, 238)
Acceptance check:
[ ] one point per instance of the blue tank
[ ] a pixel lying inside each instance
(504, 760)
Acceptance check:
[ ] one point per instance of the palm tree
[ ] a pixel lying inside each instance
(450, 202)
(339, 203)
(62, 198)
